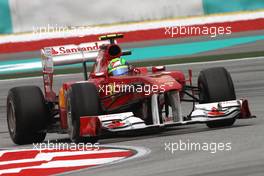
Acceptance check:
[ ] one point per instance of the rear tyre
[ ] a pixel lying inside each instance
(83, 100)
(216, 85)
(27, 115)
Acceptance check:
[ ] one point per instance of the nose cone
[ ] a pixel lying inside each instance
(165, 83)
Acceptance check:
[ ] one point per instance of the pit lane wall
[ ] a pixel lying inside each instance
(23, 15)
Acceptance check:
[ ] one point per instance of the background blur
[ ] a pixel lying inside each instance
(23, 15)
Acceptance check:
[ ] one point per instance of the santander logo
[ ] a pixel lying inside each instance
(69, 49)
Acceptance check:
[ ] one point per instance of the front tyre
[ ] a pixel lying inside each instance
(216, 85)
(82, 100)
(27, 115)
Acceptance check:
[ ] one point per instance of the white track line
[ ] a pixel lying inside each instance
(64, 163)
(141, 152)
(49, 156)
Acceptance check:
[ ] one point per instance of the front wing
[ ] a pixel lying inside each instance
(202, 113)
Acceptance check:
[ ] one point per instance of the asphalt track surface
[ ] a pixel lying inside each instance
(246, 137)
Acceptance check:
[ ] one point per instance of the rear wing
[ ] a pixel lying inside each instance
(70, 54)
(64, 55)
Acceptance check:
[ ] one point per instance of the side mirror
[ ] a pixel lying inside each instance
(98, 75)
(158, 68)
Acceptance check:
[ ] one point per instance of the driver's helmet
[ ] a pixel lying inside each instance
(117, 67)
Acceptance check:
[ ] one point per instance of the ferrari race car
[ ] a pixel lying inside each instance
(144, 98)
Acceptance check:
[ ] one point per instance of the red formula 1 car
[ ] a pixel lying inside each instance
(145, 98)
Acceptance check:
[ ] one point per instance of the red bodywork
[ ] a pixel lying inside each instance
(157, 76)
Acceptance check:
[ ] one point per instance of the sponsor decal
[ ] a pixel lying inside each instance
(215, 112)
(69, 49)
(115, 124)
(74, 49)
